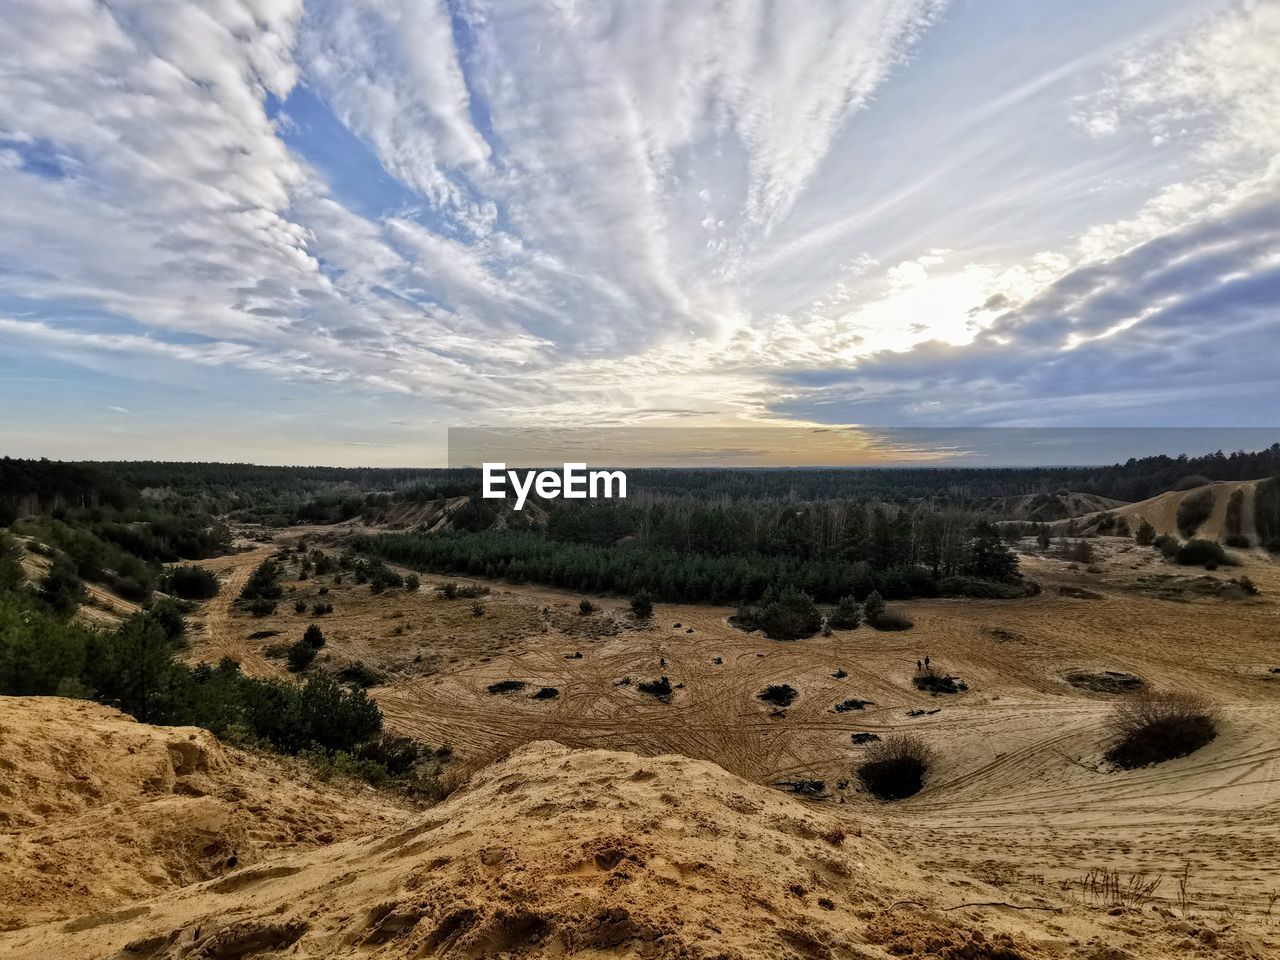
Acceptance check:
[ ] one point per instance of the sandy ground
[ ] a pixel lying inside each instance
(97, 811)
(554, 852)
(1020, 795)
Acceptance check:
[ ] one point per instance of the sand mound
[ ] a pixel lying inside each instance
(97, 810)
(554, 852)
(1224, 521)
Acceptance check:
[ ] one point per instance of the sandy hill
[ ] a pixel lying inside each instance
(549, 852)
(97, 810)
(1228, 508)
(1048, 507)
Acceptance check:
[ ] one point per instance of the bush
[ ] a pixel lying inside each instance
(585, 606)
(313, 637)
(360, 675)
(896, 766)
(261, 607)
(642, 605)
(1248, 586)
(299, 606)
(191, 583)
(263, 583)
(1155, 726)
(320, 609)
(62, 588)
(1202, 553)
(779, 694)
(874, 607)
(847, 614)
(931, 681)
(300, 656)
(477, 608)
(412, 582)
(506, 686)
(660, 688)
(1146, 534)
(783, 614)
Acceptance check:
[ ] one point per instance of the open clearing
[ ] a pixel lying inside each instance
(1019, 794)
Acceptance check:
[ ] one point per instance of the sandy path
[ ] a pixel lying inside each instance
(219, 635)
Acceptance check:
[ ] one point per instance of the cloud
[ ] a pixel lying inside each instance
(622, 212)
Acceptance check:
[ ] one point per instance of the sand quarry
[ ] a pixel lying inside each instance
(602, 821)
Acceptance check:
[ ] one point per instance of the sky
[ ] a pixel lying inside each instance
(326, 232)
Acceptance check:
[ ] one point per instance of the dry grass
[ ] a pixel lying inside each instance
(896, 766)
(1154, 726)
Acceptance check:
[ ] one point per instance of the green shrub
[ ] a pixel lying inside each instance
(642, 605)
(191, 583)
(847, 614)
(263, 583)
(300, 656)
(1202, 553)
(1146, 534)
(313, 637)
(783, 614)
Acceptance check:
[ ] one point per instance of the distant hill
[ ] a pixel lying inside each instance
(1238, 513)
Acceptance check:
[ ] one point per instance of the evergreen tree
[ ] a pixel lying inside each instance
(847, 614)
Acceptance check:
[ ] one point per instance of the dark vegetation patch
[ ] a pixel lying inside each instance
(844, 706)
(839, 674)
(660, 688)
(263, 634)
(546, 693)
(1155, 726)
(1079, 593)
(361, 675)
(1233, 522)
(506, 686)
(782, 613)
(981, 589)
(1104, 681)
(805, 788)
(1167, 586)
(932, 681)
(861, 738)
(1202, 553)
(1194, 510)
(779, 694)
(190, 583)
(895, 768)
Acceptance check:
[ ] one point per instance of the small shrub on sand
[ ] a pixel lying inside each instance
(660, 688)
(1154, 726)
(585, 606)
(506, 686)
(896, 766)
(931, 681)
(779, 694)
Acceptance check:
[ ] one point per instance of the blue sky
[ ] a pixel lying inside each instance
(325, 232)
